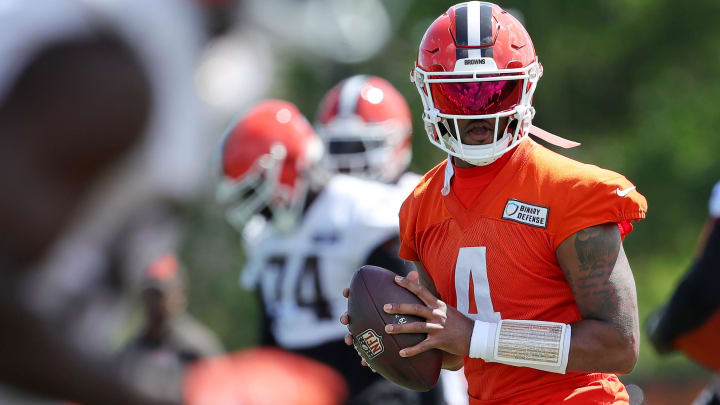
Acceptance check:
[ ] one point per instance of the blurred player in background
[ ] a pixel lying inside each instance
(690, 322)
(167, 324)
(366, 127)
(518, 250)
(170, 339)
(305, 235)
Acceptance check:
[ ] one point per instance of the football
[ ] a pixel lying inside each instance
(370, 289)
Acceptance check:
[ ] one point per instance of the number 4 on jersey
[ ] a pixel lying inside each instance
(471, 265)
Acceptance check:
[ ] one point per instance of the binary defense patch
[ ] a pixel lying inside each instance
(528, 214)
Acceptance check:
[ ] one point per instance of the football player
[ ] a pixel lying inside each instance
(691, 320)
(170, 337)
(366, 127)
(305, 234)
(518, 249)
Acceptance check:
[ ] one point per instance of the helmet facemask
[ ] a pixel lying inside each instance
(261, 191)
(366, 150)
(477, 91)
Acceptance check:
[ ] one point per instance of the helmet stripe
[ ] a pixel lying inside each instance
(473, 28)
(350, 94)
(486, 34)
(461, 31)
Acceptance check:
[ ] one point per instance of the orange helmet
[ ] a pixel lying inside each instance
(266, 376)
(366, 126)
(267, 162)
(476, 61)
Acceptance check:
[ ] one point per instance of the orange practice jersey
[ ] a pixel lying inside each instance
(496, 259)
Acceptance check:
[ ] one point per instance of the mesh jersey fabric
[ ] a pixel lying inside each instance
(512, 264)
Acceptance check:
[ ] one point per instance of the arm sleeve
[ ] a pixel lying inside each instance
(592, 202)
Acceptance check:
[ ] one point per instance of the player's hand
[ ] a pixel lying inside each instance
(446, 328)
(345, 320)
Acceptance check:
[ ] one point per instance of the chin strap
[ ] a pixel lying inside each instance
(552, 138)
(449, 172)
(525, 114)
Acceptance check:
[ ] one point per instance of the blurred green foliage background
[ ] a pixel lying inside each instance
(636, 81)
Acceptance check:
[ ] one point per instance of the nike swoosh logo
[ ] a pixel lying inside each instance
(623, 193)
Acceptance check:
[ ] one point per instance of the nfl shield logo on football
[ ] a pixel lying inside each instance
(371, 343)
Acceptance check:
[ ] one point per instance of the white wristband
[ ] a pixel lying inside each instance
(482, 341)
(536, 344)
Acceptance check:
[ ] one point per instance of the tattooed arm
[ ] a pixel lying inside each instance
(595, 266)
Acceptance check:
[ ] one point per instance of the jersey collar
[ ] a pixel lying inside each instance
(501, 181)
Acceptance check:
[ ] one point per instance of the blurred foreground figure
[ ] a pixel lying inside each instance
(690, 322)
(264, 376)
(305, 235)
(74, 102)
(87, 158)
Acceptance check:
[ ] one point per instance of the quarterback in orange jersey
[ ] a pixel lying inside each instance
(518, 249)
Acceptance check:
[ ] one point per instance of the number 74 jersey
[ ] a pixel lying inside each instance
(301, 274)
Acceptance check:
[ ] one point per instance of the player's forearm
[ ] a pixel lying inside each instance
(587, 345)
(597, 346)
